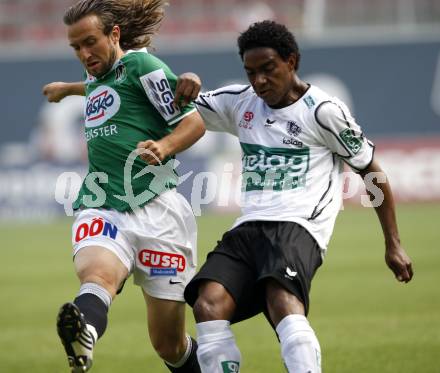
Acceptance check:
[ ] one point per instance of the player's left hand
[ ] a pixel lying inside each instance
(399, 262)
(187, 89)
(152, 152)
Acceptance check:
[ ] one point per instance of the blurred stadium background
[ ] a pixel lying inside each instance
(381, 57)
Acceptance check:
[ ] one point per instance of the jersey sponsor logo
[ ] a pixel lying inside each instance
(98, 226)
(293, 129)
(245, 122)
(309, 101)
(248, 116)
(274, 168)
(163, 272)
(349, 138)
(161, 263)
(159, 92)
(104, 131)
(230, 366)
(101, 105)
(291, 141)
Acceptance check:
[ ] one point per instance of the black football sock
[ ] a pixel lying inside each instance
(94, 311)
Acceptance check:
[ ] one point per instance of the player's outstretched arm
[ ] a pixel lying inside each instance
(395, 256)
(56, 91)
(187, 89)
(188, 131)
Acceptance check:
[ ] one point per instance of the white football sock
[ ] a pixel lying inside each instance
(217, 352)
(98, 290)
(299, 346)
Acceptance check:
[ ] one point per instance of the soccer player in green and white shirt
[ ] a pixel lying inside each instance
(129, 217)
(295, 139)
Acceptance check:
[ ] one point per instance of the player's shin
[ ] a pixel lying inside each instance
(217, 351)
(299, 346)
(94, 302)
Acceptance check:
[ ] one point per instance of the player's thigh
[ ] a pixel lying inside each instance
(166, 321)
(281, 302)
(99, 265)
(102, 253)
(287, 269)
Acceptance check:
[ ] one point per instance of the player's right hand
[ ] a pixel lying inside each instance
(187, 89)
(152, 152)
(55, 91)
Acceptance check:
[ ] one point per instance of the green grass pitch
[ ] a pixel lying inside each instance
(365, 320)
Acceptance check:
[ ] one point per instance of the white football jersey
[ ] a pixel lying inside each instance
(293, 157)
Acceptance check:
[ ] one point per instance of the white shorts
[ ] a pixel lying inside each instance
(157, 243)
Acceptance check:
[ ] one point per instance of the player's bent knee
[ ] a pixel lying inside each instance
(99, 265)
(213, 303)
(212, 308)
(203, 310)
(109, 283)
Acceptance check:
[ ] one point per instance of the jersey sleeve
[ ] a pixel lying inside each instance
(217, 108)
(339, 131)
(159, 84)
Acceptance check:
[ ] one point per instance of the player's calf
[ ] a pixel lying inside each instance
(188, 363)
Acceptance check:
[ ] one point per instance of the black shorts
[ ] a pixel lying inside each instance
(255, 251)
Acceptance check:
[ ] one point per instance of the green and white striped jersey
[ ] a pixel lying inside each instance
(293, 157)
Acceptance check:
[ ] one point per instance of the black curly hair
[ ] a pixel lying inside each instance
(272, 35)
